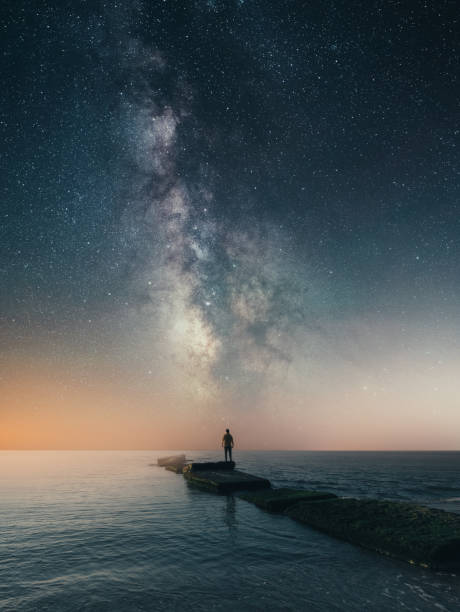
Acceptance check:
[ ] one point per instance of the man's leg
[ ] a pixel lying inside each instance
(226, 451)
(230, 452)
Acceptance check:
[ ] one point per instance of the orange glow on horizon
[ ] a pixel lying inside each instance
(46, 408)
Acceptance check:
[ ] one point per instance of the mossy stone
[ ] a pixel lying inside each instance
(277, 500)
(417, 534)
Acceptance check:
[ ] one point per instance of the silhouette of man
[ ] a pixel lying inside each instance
(227, 443)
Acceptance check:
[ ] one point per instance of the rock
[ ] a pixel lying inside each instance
(177, 469)
(277, 500)
(173, 460)
(225, 480)
(420, 535)
(210, 466)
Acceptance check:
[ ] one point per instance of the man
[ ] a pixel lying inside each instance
(227, 443)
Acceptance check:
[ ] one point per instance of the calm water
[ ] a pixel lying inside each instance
(107, 531)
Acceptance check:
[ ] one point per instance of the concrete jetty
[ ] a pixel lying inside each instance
(177, 469)
(174, 463)
(206, 466)
(417, 534)
(221, 477)
(278, 500)
(172, 460)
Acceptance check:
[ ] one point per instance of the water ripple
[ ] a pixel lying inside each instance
(111, 531)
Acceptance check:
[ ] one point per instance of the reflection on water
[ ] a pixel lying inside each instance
(230, 512)
(112, 531)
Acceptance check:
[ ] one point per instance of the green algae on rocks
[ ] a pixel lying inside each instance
(417, 534)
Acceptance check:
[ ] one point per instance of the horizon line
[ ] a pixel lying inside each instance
(273, 450)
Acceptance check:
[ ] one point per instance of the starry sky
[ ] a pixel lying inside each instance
(237, 213)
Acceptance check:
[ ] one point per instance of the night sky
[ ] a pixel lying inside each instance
(236, 213)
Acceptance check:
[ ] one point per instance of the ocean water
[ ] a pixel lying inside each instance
(109, 531)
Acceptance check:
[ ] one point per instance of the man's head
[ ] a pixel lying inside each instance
(227, 430)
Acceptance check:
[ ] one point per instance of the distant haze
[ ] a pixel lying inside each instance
(400, 400)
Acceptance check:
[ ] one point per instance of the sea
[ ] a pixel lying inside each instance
(110, 531)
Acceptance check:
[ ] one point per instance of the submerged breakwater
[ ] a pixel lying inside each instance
(413, 533)
(417, 534)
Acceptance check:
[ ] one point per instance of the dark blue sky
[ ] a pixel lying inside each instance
(243, 171)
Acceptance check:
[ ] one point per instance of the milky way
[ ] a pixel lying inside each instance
(249, 206)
